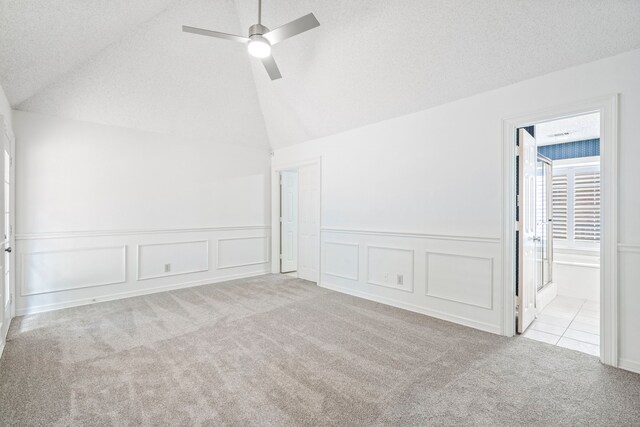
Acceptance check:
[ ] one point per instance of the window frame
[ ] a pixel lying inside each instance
(570, 167)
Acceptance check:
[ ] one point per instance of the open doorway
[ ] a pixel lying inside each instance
(558, 218)
(296, 211)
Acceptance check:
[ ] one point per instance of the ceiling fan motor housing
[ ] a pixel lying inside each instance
(257, 30)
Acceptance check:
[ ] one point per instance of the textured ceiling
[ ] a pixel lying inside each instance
(127, 63)
(41, 40)
(153, 77)
(372, 60)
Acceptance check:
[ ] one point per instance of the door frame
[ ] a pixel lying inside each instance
(6, 133)
(607, 106)
(275, 209)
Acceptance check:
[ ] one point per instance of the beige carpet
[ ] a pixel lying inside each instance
(275, 350)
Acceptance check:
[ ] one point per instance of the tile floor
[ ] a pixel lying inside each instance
(569, 322)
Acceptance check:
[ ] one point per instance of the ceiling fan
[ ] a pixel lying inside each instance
(261, 38)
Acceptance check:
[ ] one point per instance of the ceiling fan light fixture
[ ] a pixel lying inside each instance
(259, 47)
(261, 38)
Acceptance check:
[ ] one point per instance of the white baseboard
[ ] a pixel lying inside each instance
(2, 348)
(23, 311)
(629, 365)
(494, 329)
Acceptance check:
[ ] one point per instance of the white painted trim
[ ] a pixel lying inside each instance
(495, 329)
(100, 233)
(386, 285)
(128, 294)
(357, 245)
(8, 133)
(221, 267)
(625, 247)
(491, 276)
(93, 285)
(629, 365)
(275, 210)
(139, 278)
(412, 235)
(608, 108)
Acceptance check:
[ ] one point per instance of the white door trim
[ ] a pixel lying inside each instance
(6, 133)
(275, 209)
(608, 108)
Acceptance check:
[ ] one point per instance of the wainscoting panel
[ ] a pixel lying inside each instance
(342, 260)
(460, 278)
(455, 278)
(629, 315)
(243, 251)
(58, 270)
(390, 267)
(171, 259)
(72, 269)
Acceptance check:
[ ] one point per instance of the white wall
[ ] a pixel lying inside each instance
(102, 209)
(577, 275)
(426, 188)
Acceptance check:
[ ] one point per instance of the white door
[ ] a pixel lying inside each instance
(289, 221)
(5, 243)
(527, 230)
(308, 222)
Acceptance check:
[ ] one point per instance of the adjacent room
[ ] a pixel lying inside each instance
(283, 213)
(565, 269)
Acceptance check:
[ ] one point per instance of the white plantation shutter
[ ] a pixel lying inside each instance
(576, 204)
(586, 201)
(560, 209)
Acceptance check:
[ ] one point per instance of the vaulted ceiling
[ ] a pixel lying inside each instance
(127, 63)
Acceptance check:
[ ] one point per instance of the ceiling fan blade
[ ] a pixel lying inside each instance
(272, 67)
(291, 29)
(216, 34)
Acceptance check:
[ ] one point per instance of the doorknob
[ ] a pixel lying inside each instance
(8, 250)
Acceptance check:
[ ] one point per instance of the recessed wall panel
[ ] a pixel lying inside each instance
(243, 251)
(460, 278)
(172, 258)
(390, 267)
(341, 260)
(60, 270)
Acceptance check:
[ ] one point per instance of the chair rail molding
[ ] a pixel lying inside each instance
(131, 232)
(416, 235)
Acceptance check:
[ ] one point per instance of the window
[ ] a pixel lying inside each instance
(586, 206)
(559, 207)
(576, 203)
